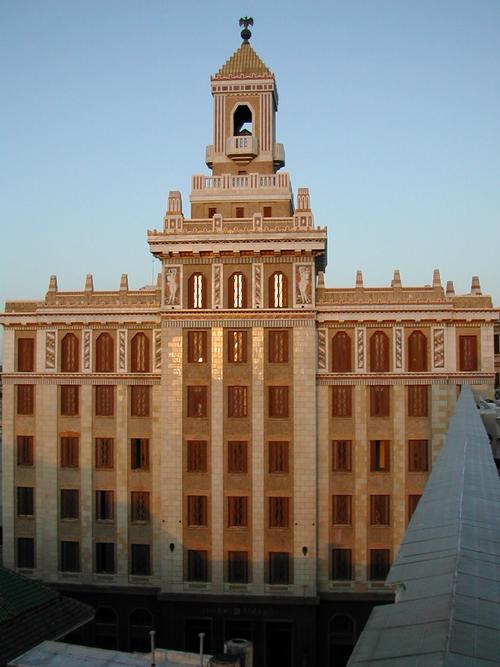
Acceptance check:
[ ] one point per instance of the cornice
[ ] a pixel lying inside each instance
(404, 378)
(83, 378)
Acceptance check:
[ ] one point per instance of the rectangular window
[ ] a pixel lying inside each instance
(237, 456)
(139, 401)
(468, 353)
(25, 504)
(380, 510)
(278, 401)
(104, 401)
(197, 401)
(69, 452)
(25, 399)
(104, 453)
(237, 567)
(139, 506)
(341, 510)
(341, 456)
(70, 557)
(412, 504)
(139, 449)
(237, 511)
(104, 505)
(268, 211)
(380, 457)
(379, 564)
(380, 401)
(25, 355)
(211, 212)
(418, 400)
(197, 565)
(69, 399)
(278, 512)
(70, 504)
(496, 344)
(105, 557)
(197, 347)
(341, 564)
(197, 510)
(197, 456)
(240, 212)
(25, 450)
(418, 456)
(341, 401)
(237, 401)
(140, 561)
(237, 346)
(278, 347)
(279, 567)
(25, 552)
(278, 457)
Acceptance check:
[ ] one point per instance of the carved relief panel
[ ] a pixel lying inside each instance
(303, 285)
(217, 295)
(157, 349)
(86, 350)
(360, 350)
(322, 350)
(172, 286)
(438, 359)
(122, 351)
(258, 295)
(50, 350)
(398, 349)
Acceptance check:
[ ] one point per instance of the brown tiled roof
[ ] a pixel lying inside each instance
(245, 62)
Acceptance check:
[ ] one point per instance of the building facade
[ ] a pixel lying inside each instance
(236, 450)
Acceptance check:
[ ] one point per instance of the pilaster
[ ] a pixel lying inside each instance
(86, 482)
(122, 458)
(323, 486)
(399, 466)
(360, 468)
(217, 457)
(8, 464)
(257, 460)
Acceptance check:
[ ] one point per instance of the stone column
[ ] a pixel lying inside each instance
(217, 458)
(122, 463)
(257, 460)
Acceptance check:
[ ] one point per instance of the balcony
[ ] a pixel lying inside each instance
(242, 149)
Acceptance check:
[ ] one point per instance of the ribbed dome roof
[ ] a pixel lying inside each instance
(245, 62)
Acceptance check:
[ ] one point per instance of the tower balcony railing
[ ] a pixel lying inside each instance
(245, 146)
(212, 185)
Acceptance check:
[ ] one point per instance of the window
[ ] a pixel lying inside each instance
(69, 400)
(380, 401)
(70, 557)
(106, 627)
(379, 352)
(468, 353)
(379, 564)
(237, 401)
(240, 212)
(105, 557)
(278, 401)
(70, 504)
(139, 401)
(279, 567)
(417, 352)
(197, 510)
(341, 564)
(496, 344)
(418, 400)
(380, 510)
(341, 456)
(25, 504)
(268, 211)
(278, 347)
(70, 361)
(197, 456)
(139, 354)
(278, 291)
(211, 212)
(278, 512)
(104, 401)
(278, 457)
(341, 510)
(104, 505)
(197, 401)
(197, 297)
(139, 454)
(380, 458)
(25, 552)
(140, 560)
(418, 456)
(25, 450)
(341, 353)
(341, 401)
(412, 504)
(104, 354)
(141, 624)
(197, 347)
(197, 565)
(25, 399)
(237, 346)
(237, 511)
(237, 291)
(237, 456)
(237, 567)
(139, 506)
(104, 453)
(69, 452)
(25, 355)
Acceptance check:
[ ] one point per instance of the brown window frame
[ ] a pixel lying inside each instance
(197, 346)
(197, 510)
(237, 401)
(69, 551)
(104, 353)
(279, 512)
(237, 567)
(105, 558)
(25, 355)
(237, 456)
(342, 565)
(278, 456)
(104, 400)
(197, 565)
(197, 291)
(341, 460)
(25, 450)
(70, 451)
(380, 509)
(237, 344)
(140, 400)
(380, 400)
(104, 505)
(341, 353)
(140, 560)
(237, 511)
(139, 453)
(25, 501)
(278, 403)
(379, 352)
(140, 357)
(417, 352)
(413, 500)
(468, 353)
(418, 400)
(197, 453)
(70, 353)
(25, 399)
(197, 401)
(69, 504)
(267, 212)
(140, 510)
(70, 400)
(279, 568)
(341, 398)
(341, 510)
(278, 351)
(418, 455)
(278, 295)
(380, 456)
(237, 290)
(379, 571)
(104, 453)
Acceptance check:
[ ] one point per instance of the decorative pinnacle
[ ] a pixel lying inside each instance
(245, 21)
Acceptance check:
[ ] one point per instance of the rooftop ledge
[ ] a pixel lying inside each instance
(176, 224)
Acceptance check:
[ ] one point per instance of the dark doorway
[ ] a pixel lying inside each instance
(279, 650)
(342, 637)
(238, 630)
(193, 627)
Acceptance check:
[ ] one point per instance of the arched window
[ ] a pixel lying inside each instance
(69, 354)
(106, 626)
(417, 352)
(139, 353)
(197, 291)
(341, 353)
(141, 622)
(104, 354)
(242, 121)
(278, 290)
(237, 291)
(379, 352)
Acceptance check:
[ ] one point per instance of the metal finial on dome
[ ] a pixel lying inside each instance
(245, 21)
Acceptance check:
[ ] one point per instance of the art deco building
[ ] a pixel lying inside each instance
(238, 449)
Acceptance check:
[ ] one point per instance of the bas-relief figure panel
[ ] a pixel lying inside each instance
(303, 284)
(172, 286)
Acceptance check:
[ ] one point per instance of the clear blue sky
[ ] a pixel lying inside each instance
(389, 113)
